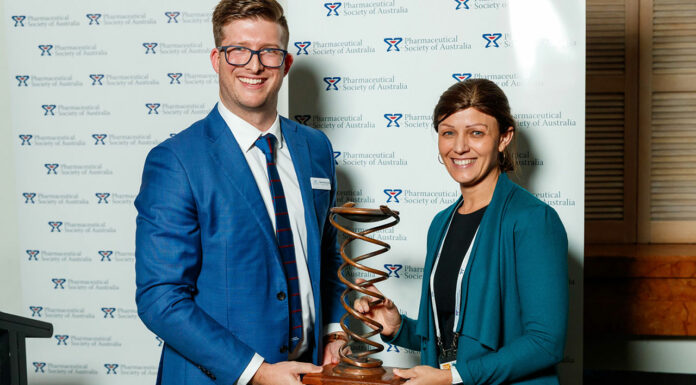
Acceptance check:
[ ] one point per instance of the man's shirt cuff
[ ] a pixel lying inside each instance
(250, 370)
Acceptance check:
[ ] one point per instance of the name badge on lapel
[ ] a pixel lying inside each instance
(320, 183)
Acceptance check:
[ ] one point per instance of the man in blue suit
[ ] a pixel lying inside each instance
(235, 257)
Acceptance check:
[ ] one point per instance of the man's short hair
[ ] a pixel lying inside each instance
(229, 10)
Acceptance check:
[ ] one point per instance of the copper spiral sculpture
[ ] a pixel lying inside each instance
(360, 364)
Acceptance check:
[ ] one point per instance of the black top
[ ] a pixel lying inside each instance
(459, 236)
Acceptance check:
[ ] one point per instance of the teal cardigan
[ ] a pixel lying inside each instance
(514, 293)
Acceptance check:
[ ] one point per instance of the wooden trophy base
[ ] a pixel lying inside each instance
(330, 377)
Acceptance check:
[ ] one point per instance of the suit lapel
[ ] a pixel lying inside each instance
(229, 157)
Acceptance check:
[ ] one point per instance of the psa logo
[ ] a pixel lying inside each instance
(492, 39)
(462, 4)
(150, 48)
(172, 15)
(108, 312)
(49, 109)
(33, 254)
(19, 20)
(51, 167)
(46, 49)
(96, 79)
(105, 254)
(331, 82)
(175, 77)
(302, 47)
(29, 197)
(393, 43)
(393, 119)
(39, 367)
(303, 119)
(152, 108)
(22, 79)
(336, 155)
(393, 270)
(393, 348)
(99, 139)
(62, 339)
(103, 198)
(26, 139)
(94, 18)
(160, 341)
(333, 8)
(58, 283)
(111, 368)
(393, 194)
(55, 226)
(461, 77)
(36, 311)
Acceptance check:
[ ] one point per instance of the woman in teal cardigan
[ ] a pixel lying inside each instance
(494, 301)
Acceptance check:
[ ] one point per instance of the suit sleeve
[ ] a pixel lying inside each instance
(541, 252)
(331, 286)
(168, 261)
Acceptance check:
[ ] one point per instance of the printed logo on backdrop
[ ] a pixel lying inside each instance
(39, 367)
(129, 19)
(93, 18)
(370, 159)
(97, 79)
(462, 4)
(556, 119)
(527, 159)
(22, 80)
(49, 109)
(332, 82)
(62, 339)
(302, 47)
(111, 368)
(72, 50)
(303, 119)
(133, 140)
(105, 255)
(18, 20)
(108, 312)
(46, 49)
(150, 48)
(473, 5)
(492, 39)
(29, 197)
(36, 311)
(393, 119)
(460, 77)
(26, 139)
(324, 122)
(81, 227)
(99, 139)
(393, 270)
(555, 199)
(159, 340)
(365, 84)
(52, 168)
(55, 226)
(336, 155)
(177, 109)
(393, 43)
(103, 198)
(172, 16)
(152, 108)
(420, 198)
(175, 77)
(118, 313)
(364, 8)
(33, 254)
(58, 283)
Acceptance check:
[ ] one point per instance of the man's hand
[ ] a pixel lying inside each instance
(286, 372)
(425, 375)
(385, 313)
(331, 352)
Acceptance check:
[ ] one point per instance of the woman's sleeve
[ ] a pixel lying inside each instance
(406, 335)
(541, 252)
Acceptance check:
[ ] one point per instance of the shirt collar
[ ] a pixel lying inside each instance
(244, 132)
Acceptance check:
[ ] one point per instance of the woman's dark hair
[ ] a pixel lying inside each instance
(486, 97)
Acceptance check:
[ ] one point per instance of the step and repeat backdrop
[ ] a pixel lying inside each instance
(96, 85)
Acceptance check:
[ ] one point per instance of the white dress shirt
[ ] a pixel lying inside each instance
(245, 134)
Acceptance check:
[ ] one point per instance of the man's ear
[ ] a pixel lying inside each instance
(289, 59)
(215, 59)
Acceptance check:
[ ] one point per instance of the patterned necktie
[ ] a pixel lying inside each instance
(266, 144)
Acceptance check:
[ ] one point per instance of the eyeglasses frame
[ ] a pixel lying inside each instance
(253, 52)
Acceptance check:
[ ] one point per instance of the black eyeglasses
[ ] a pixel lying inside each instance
(237, 55)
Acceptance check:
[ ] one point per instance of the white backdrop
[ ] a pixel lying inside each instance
(92, 94)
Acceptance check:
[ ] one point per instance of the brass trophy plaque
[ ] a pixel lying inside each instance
(359, 368)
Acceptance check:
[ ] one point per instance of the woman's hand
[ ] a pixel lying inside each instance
(425, 375)
(386, 313)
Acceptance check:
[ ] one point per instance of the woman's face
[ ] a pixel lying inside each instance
(469, 142)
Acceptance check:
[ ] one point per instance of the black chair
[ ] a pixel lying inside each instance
(13, 360)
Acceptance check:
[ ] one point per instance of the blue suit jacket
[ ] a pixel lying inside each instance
(208, 269)
(514, 293)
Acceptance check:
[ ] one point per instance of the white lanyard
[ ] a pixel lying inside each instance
(460, 276)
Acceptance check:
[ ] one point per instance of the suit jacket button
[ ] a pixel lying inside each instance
(284, 349)
(281, 296)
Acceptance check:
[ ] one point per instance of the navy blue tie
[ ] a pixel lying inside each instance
(286, 245)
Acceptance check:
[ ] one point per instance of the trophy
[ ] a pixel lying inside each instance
(359, 368)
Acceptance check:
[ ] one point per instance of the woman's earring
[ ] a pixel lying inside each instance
(439, 159)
